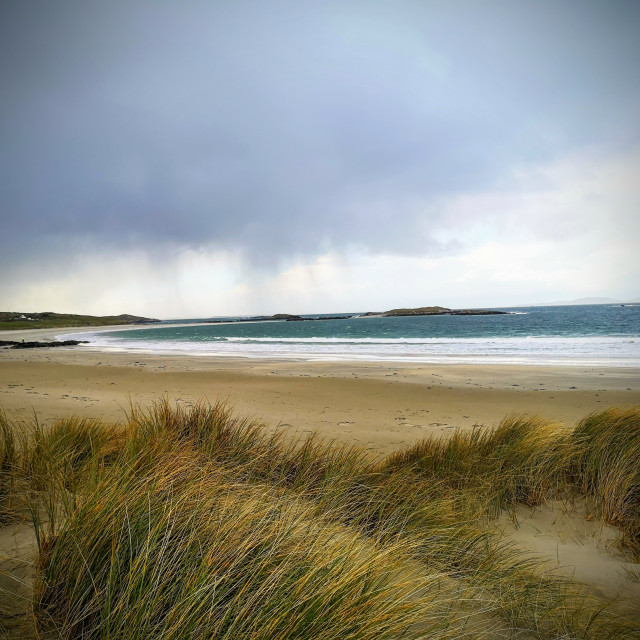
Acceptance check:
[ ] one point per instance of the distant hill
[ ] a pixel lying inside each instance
(49, 320)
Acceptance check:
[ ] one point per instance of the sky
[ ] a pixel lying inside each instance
(217, 157)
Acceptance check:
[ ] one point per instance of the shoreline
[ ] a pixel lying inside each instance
(382, 405)
(196, 351)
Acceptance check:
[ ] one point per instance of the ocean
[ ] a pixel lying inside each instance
(587, 335)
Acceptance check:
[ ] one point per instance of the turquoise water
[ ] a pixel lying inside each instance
(590, 334)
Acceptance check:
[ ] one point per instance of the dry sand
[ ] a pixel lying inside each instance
(574, 543)
(383, 406)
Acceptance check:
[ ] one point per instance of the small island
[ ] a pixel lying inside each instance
(435, 311)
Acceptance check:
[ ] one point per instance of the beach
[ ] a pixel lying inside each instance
(381, 405)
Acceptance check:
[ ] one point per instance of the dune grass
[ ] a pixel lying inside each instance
(520, 461)
(8, 464)
(189, 522)
(60, 455)
(198, 556)
(606, 467)
(530, 460)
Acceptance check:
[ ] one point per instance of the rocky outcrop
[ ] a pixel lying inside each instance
(438, 311)
(418, 311)
(13, 344)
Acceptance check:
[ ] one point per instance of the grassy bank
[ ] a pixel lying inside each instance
(190, 522)
(10, 320)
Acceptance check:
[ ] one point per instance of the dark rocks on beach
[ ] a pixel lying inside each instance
(13, 344)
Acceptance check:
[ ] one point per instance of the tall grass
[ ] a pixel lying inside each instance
(523, 460)
(439, 515)
(529, 460)
(8, 465)
(190, 522)
(60, 454)
(606, 467)
(182, 554)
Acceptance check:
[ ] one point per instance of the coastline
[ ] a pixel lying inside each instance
(382, 405)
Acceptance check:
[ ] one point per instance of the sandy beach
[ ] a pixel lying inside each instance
(384, 406)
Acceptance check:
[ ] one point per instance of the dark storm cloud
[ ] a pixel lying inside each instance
(287, 128)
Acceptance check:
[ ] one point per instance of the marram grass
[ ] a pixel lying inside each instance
(192, 523)
(181, 554)
(8, 464)
(606, 467)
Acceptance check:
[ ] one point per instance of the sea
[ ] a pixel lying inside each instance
(586, 335)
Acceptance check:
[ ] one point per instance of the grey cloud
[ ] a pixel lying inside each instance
(287, 128)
